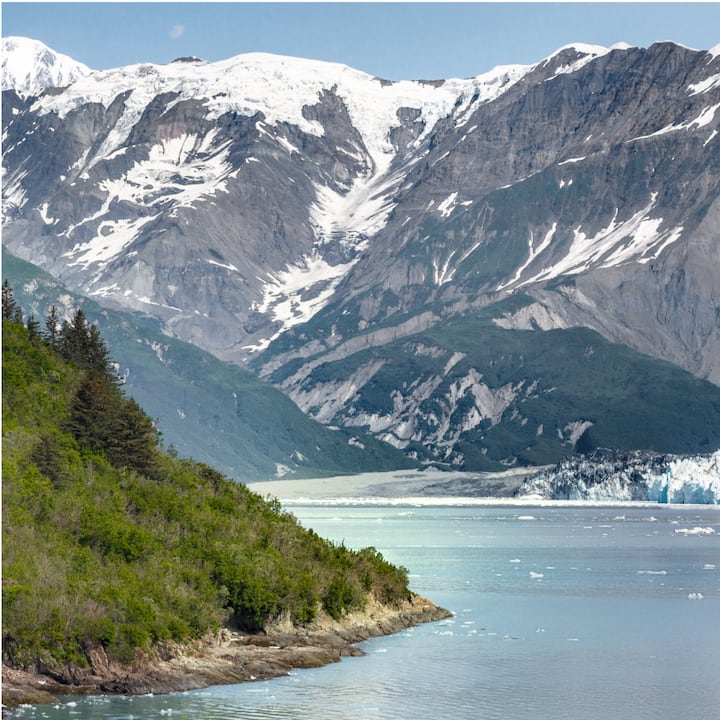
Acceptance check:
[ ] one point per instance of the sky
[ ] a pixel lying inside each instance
(395, 41)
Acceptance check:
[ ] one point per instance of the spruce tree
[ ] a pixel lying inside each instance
(80, 342)
(10, 309)
(8, 301)
(52, 322)
(33, 327)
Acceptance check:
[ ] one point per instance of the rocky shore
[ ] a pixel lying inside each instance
(223, 658)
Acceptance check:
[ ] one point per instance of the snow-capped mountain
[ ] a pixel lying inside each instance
(349, 237)
(181, 141)
(29, 66)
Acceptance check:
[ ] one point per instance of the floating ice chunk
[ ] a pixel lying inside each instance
(536, 575)
(526, 517)
(652, 572)
(695, 596)
(695, 531)
(708, 566)
(515, 560)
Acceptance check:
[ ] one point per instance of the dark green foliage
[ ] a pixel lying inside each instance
(98, 549)
(103, 420)
(80, 343)
(10, 309)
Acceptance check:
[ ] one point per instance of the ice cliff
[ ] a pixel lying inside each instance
(606, 475)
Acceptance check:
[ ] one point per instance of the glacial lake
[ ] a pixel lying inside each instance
(578, 613)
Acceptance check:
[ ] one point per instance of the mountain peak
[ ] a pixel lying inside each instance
(29, 66)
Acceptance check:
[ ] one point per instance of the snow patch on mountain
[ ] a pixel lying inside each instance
(639, 238)
(705, 86)
(533, 252)
(586, 52)
(187, 166)
(294, 295)
(705, 117)
(360, 212)
(113, 237)
(446, 207)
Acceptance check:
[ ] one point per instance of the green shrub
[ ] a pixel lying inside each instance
(102, 547)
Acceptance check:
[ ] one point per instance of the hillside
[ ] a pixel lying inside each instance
(476, 393)
(112, 548)
(215, 412)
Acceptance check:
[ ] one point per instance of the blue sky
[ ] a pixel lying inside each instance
(391, 40)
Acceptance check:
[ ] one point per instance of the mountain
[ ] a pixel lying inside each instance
(412, 258)
(212, 411)
(29, 66)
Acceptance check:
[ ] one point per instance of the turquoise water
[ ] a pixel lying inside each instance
(580, 613)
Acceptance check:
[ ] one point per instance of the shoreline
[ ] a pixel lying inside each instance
(409, 485)
(226, 657)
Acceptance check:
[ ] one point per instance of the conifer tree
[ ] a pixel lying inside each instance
(52, 322)
(81, 343)
(8, 301)
(33, 327)
(10, 309)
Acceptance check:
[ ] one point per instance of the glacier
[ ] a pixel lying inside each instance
(608, 476)
(693, 480)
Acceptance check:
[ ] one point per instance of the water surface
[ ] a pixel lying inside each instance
(559, 612)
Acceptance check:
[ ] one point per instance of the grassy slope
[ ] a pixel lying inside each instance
(96, 554)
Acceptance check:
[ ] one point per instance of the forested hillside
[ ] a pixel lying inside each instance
(108, 541)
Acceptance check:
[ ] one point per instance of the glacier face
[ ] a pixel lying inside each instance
(687, 480)
(607, 476)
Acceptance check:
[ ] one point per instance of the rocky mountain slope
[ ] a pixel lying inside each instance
(301, 217)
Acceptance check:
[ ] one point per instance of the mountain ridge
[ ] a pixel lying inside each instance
(288, 233)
